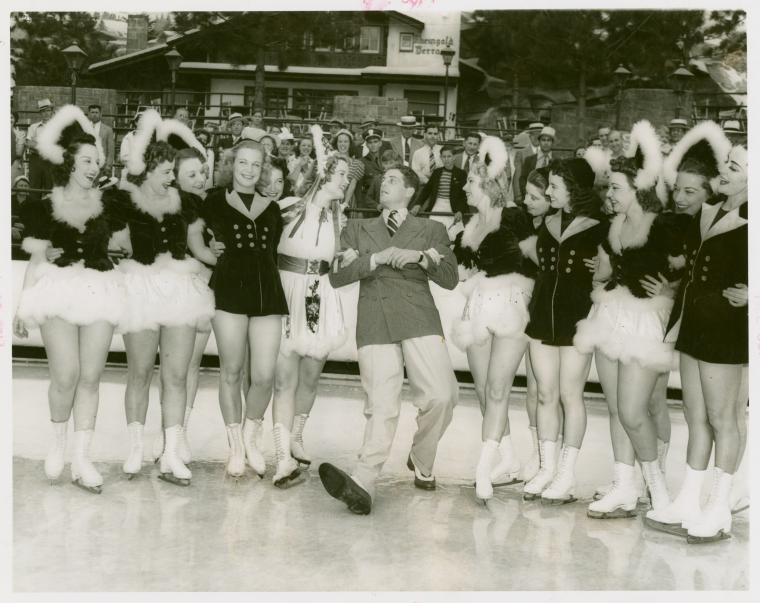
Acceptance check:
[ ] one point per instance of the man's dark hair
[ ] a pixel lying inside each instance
(94, 106)
(411, 180)
(472, 134)
(430, 127)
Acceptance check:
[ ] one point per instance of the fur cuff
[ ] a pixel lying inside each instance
(35, 246)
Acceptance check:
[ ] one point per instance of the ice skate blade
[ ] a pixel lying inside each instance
(721, 535)
(131, 476)
(676, 529)
(614, 514)
(90, 489)
(740, 508)
(305, 462)
(170, 478)
(511, 482)
(531, 496)
(556, 502)
(291, 480)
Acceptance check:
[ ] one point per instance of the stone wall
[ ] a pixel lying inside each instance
(356, 109)
(25, 100)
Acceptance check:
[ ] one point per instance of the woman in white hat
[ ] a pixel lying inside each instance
(167, 297)
(72, 290)
(498, 288)
(710, 319)
(626, 326)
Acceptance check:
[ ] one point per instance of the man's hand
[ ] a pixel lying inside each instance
(737, 295)
(383, 257)
(347, 257)
(53, 253)
(401, 257)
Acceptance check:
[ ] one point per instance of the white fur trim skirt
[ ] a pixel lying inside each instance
(78, 295)
(315, 326)
(166, 293)
(495, 305)
(628, 328)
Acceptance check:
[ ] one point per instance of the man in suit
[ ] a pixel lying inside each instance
(444, 192)
(40, 171)
(541, 159)
(105, 133)
(235, 128)
(405, 144)
(397, 326)
(469, 156)
(529, 148)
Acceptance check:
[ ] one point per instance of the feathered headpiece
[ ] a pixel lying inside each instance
(178, 135)
(319, 149)
(147, 127)
(644, 148)
(493, 152)
(599, 160)
(68, 124)
(707, 143)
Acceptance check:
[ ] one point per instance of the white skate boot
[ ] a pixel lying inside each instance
(83, 472)
(287, 473)
(54, 460)
(183, 445)
(622, 497)
(655, 481)
(173, 470)
(296, 440)
(236, 461)
(252, 435)
(662, 454)
(715, 521)
(561, 490)
(507, 470)
(684, 509)
(545, 475)
(488, 456)
(534, 464)
(134, 461)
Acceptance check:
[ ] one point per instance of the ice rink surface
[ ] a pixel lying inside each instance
(225, 535)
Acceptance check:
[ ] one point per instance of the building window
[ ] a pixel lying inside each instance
(406, 42)
(275, 99)
(317, 104)
(369, 40)
(349, 43)
(423, 102)
(308, 40)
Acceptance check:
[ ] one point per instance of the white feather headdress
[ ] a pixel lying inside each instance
(494, 148)
(319, 149)
(49, 141)
(169, 127)
(706, 130)
(147, 126)
(599, 160)
(644, 140)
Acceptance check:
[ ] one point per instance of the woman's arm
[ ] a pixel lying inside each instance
(205, 253)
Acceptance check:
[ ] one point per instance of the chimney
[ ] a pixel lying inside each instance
(137, 33)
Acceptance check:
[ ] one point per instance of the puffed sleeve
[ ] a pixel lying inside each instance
(117, 206)
(36, 217)
(464, 255)
(209, 212)
(191, 206)
(670, 230)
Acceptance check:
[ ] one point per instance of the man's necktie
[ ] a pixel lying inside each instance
(392, 224)
(432, 160)
(406, 150)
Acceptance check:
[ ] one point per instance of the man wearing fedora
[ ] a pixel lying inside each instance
(397, 327)
(676, 129)
(732, 128)
(40, 174)
(405, 144)
(529, 147)
(235, 129)
(540, 159)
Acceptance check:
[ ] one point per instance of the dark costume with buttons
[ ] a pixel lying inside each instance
(163, 283)
(625, 323)
(499, 289)
(562, 294)
(246, 279)
(711, 329)
(81, 286)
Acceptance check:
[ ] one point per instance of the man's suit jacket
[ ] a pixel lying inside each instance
(459, 160)
(107, 140)
(518, 190)
(414, 144)
(396, 304)
(429, 193)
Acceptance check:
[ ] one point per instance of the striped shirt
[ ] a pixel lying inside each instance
(444, 185)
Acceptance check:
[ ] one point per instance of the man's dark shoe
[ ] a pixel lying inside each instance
(423, 482)
(340, 485)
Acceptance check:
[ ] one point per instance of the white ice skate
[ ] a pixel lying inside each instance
(562, 489)
(236, 461)
(296, 440)
(488, 456)
(83, 472)
(287, 473)
(134, 461)
(622, 497)
(507, 470)
(173, 470)
(183, 445)
(534, 463)
(546, 472)
(715, 521)
(252, 436)
(684, 509)
(655, 481)
(54, 461)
